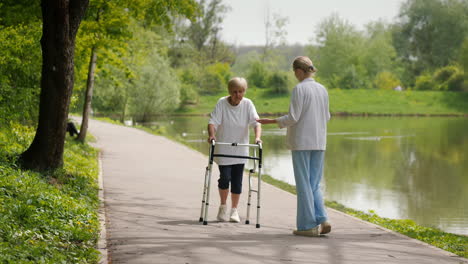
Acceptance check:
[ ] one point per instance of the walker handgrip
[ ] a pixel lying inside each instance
(238, 144)
(259, 145)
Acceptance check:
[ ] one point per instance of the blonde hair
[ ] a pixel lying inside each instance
(237, 82)
(304, 63)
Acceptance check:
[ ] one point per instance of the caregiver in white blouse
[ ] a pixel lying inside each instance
(306, 125)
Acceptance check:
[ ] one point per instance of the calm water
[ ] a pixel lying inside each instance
(399, 167)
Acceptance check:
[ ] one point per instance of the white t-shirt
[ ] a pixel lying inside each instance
(308, 116)
(232, 126)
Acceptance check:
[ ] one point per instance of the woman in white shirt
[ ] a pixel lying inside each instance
(307, 138)
(230, 122)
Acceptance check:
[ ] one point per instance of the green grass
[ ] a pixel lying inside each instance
(49, 217)
(371, 102)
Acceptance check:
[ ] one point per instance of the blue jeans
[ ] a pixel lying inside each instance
(308, 170)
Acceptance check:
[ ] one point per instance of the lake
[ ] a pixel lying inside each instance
(399, 167)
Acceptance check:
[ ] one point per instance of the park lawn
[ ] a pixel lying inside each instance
(47, 217)
(361, 102)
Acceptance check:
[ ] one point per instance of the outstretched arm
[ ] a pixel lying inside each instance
(266, 121)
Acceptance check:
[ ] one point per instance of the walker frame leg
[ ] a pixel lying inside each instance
(258, 196)
(247, 219)
(207, 201)
(204, 196)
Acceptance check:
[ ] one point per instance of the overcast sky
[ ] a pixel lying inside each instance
(244, 23)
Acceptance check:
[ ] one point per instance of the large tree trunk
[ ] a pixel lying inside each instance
(61, 19)
(88, 95)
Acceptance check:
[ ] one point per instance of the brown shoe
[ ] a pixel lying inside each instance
(326, 228)
(313, 232)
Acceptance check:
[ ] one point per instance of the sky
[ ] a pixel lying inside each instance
(244, 23)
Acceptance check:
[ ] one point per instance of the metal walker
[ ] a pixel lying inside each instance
(207, 182)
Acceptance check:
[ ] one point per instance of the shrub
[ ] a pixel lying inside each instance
(443, 74)
(215, 78)
(424, 82)
(386, 81)
(449, 78)
(456, 82)
(258, 75)
(278, 82)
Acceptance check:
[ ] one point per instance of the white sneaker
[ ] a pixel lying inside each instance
(234, 216)
(222, 213)
(313, 232)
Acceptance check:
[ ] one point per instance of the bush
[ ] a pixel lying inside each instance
(386, 81)
(278, 82)
(215, 78)
(456, 82)
(258, 75)
(424, 82)
(449, 78)
(443, 74)
(188, 94)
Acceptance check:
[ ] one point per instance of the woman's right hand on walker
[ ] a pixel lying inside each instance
(211, 138)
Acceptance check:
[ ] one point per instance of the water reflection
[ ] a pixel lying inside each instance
(403, 167)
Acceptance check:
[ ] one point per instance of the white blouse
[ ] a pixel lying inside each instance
(308, 116)
(232, 126)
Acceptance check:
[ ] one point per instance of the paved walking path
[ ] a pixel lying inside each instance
(153, 189)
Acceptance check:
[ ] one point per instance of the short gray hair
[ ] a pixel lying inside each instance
(237, 82)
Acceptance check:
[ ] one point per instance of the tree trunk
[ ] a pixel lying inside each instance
(124, 109)
(89, 95)
(61, 19)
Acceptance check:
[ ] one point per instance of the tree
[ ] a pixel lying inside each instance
(339, 53)
(20, 60)
(198, 53)
(155, 91)
(61, 20)
(275, 33)
(108, 22)
(19, 72)
(204, 31)
(429, 33)
(379, 55)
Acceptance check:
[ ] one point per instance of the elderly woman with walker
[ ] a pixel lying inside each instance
(230, 122)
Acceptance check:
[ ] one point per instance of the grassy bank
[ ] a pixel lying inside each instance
(49, 217)
(372, 102)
